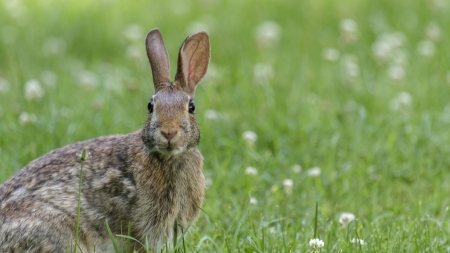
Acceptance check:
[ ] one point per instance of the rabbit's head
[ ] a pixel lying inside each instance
(171, 127)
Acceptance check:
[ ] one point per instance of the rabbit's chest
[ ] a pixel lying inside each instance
(169, 195)
(184, 198)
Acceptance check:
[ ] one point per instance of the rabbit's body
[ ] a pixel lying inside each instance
(148, 192)
(151, 179)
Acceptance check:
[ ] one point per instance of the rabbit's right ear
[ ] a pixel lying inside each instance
(193, 60)
(159, 59)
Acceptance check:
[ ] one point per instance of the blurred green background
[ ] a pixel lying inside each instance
(340, 103)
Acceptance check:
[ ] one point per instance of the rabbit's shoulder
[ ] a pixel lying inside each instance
(62, 165)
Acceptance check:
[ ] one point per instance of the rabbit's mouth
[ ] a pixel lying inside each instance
(170, 149)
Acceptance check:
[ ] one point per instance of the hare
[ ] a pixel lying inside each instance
(150, 179)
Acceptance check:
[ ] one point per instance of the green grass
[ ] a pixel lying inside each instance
(384, 161)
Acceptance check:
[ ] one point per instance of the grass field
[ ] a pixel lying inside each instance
(340, 103)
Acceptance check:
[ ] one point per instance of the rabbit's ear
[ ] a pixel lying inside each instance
(193, 61)
(159, 59)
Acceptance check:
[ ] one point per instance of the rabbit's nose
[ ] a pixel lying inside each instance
(168, 134)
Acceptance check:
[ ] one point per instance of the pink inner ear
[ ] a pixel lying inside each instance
(193, 63)
(195, 53)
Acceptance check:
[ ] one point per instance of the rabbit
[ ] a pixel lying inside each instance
(151, 179)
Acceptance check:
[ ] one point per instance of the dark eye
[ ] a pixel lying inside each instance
(150, 106)
(191, 106)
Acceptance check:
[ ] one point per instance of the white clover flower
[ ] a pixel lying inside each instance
(49, 78)
(250, 137)
(272, 230)
(350, 64)
(314, 172)
(33, 90)
(433, 31)
(87, 79)
(439, 4)
(352, 68)
(212, 73)
(253, 201)
(395, 39)
(4, 85)
(267, 34)
(262, 72)
(288, 184)
(381, 50)
(394, 104)
(134, 52)
(27, 118)
(212, 114)
(396, 72)
(426, 48)
(401, 102)
(15, 8)
(54, 46)
(197, 26)
(349, 30)
(346, 218)
(405, 98)
(330, 54)
(357, 241)
(134, 32)
(251, 171)
(115, 84)
(208, 182)
(297, 168)
(110, 83)
(316, 243)
(9, 34)
(385, 44)
(348, 25)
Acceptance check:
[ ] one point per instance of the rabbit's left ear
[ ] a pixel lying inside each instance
(159, 59)
(193, 60)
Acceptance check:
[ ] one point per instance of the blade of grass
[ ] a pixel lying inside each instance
(77, 227)
(175, 237)
(128, 240)
(315, 219)
(111, 236)
(241, 221)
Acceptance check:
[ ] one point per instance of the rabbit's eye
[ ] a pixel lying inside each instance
(150, 106)
(191, 106)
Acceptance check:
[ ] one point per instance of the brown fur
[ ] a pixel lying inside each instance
(151, 178)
